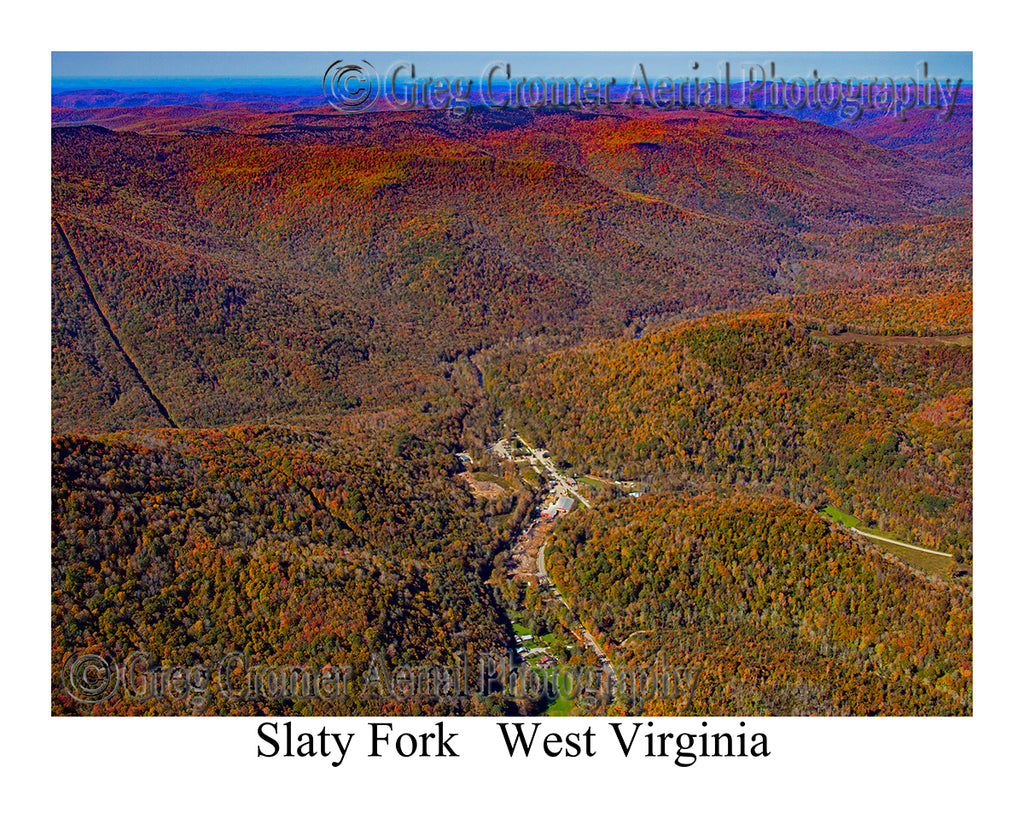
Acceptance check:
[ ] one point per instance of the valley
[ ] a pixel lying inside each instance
(587, 393)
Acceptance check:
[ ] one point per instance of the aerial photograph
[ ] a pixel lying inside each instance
(523, 384)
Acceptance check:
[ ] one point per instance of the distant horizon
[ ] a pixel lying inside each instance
(132, 69)
(191, 84)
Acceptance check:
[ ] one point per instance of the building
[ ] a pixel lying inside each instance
(561, 505)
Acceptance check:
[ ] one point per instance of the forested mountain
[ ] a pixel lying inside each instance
(761, 403)
(273, 329)
(305, 269)
(778, 613)
(286, 548)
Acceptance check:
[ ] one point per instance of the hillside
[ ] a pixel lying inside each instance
(304, 269)
(285, 548)
(780, 614)
(763, 403)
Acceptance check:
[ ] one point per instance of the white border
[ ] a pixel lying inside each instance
(819, 766)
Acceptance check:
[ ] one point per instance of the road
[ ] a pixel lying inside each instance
(503, 449)
(542, 576)
(900, 543)
(561, 480)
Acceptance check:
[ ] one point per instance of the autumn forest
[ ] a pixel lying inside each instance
(285, 342)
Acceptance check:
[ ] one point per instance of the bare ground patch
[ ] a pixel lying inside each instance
(482, 489)
(523, 564)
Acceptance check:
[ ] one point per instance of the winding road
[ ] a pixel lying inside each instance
(502, 449)
(542, 576)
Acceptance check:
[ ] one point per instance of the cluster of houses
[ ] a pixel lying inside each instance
(541, 658)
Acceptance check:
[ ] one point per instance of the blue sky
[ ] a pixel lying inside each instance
(230, 68)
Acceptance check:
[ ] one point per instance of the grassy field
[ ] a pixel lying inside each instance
(839, 516)
(934, 564)
(560, 707)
